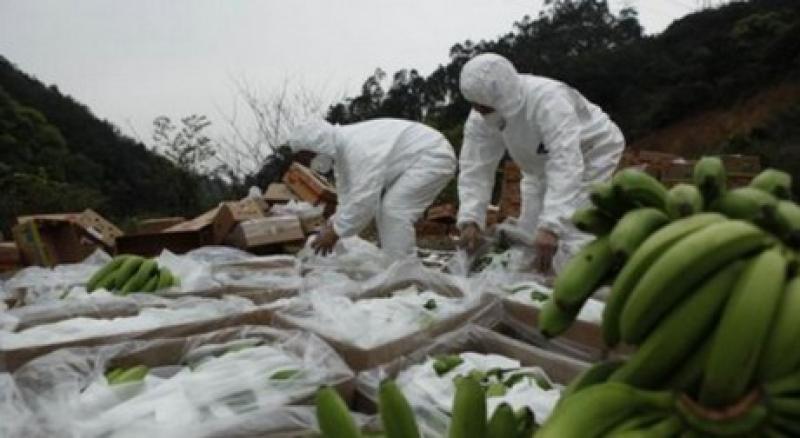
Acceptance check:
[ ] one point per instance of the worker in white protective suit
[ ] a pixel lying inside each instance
(562, 143)
(387, 169)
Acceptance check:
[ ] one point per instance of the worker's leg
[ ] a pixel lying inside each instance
(406, 200)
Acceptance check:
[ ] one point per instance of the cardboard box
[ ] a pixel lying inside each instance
(487, 311)
(748, 164)
(266, 231)
(583, 340)
(13, 358)
(247, 209)
(472, 338)
(10, 257)
(279, 193)
(52, 239)
(308, 186)
(210, 228)
(444, 213)
(156, 225)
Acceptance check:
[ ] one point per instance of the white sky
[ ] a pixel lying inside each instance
(133, 60)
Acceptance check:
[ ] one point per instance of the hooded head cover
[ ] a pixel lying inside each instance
(315, 135)
(491, 80)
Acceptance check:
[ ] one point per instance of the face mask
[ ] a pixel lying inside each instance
(322, 164)
(495, 120)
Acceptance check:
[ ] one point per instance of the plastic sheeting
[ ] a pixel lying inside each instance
(354, 257)
(71, 329)
(36, 284)
(431, 396)
(535, 294)
(202, 386)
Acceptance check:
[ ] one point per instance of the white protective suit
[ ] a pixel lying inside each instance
(562, 143)
(387, 169)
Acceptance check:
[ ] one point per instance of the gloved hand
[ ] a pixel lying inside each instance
(545, 244)
(470, 237)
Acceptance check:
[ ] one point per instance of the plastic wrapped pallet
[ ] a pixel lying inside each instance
(246, 381)
(155, 317)
(430, 395)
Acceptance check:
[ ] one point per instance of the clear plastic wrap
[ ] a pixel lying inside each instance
(431, 395)
(158, 317)
(213, 255)
(354, 257)
(277, 273)
(224, 383)
(36, 284)
(301, 209)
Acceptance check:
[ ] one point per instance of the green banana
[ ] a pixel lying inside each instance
(103, 272)
(633, 229)
(503, 423)
(553, 320)
(165, 279)
(775, 182)
(583, 274)
(787, 425)
(748, 204)
(593, 221)
(709, 176)
(640, 188)
(787, 222)
(682, 267)
(640, 262)
(130, 375)
(396, 414)
(637, 421)
(747, 422)
(127, 270)
(596, 374)
(469, 410)
(605, 198)
(785, 386)
(672, 341)
(526, 422)
(496, 389)
(108, 282)
(787, 406)
(113, 374)
(135, 284)
(150, 286)
(688, 377)
(666, 428)
(743, 329)
(781, 355)
(333, 415)
(597, 409)
(445, 363)
(683, 200)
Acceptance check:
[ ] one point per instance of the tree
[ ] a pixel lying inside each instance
(188, 146)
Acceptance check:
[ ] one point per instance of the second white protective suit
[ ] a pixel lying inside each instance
(387, 169)
(562, 143)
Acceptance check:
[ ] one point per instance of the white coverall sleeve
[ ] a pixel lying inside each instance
(361, 201)
(481, 153)
(564, 168)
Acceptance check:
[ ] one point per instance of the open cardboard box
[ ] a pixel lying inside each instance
(261, 232)
(308, 185)
(13, 357)
(582, 340)
(52, 239)
(210, 228)
(294, 417)
(470, 338)
(484, 311)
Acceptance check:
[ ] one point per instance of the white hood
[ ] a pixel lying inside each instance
(491, 80)
(315, 135)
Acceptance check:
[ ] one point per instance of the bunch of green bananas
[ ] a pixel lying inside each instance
(126, 274)
(704, 283)
(397, 416)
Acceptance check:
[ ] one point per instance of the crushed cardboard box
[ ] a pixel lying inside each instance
(156, 225)
(308, 185)
(52, 239)
(279, 193)
(265, 231)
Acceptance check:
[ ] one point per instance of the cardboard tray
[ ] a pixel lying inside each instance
(487, 311)
(560, 368)
(11, 359)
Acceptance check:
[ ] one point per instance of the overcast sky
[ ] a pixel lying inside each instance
(132, 60)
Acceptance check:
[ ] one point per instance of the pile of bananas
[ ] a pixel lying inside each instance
(397, 416)
(704, 283)
(126, 274)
